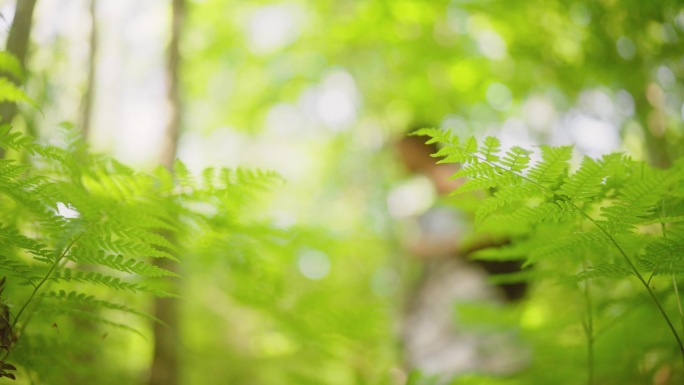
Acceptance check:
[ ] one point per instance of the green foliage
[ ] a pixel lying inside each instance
(610, 232)
(80, 234)
(10, 65)
(475, 64)
(9, 92)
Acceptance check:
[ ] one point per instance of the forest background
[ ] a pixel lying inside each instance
(318, 91)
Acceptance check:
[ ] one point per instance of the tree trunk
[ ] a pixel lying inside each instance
(17, 45)
(89, 94)
(165, 370)
(170, 141)
(649, 100)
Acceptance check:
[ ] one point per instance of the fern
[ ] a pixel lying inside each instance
(80, 265)
(598, 220)
(85, 264)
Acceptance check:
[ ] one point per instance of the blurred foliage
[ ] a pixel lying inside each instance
(417, 62)
(253, 316)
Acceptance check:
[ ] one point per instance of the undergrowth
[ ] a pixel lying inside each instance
(604, 241)
(78, 236)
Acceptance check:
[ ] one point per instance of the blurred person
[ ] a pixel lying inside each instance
(432, 341)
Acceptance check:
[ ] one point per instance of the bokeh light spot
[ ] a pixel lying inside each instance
(499, 96)
(314, 264)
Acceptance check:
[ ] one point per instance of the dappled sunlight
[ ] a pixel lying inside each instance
(272, 27)
(313, 264)
(248, 163)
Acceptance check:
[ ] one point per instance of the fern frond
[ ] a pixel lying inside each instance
(478, 170)
(123, 246)
(585, 183)
(569, 246)
(484, 175)
(516, 159)
(183, 175)
(90, 316)
(558, 211)
(74, 298)
(12, 139)
(664, 255)
(635, 202)
(619, 169)
(10, 169)
(27, 193)
(67, 275)
(436, 135)
(553, 165)
(117, 262)
(17, 269)
(148, 216)
(458, 152)
(475, 184)
(11, 237)
(505, 197)
(490, 149)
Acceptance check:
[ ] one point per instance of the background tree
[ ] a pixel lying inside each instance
(17, 45)
(89, 94)
(165, 362)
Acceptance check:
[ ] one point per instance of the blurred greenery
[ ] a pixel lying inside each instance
(319, 91)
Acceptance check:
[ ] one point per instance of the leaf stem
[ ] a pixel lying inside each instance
(589, 331)
(663, 228)
(47, 276)
(679, 300)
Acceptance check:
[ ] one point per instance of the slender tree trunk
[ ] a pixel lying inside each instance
(657, 147)
(89, 95)
(170, 141)
(17, 45)
(165, 370)
(649, 113)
